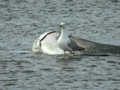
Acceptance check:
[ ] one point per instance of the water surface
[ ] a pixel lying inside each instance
(22, 21)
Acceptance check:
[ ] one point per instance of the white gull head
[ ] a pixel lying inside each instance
(62, 23)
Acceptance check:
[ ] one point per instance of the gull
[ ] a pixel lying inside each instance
(55, 43)
(66, 42)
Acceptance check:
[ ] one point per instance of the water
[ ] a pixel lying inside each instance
(22, 21)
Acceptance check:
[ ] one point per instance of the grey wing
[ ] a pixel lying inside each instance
(73, 45)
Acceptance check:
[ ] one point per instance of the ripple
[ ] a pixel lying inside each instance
(22, 21)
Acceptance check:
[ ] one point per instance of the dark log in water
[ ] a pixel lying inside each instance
(94, 48)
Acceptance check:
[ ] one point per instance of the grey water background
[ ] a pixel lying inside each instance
(22, 21)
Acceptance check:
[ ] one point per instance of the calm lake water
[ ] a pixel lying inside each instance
(22, 21)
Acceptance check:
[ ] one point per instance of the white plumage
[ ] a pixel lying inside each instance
(54, 43)
(47, 43)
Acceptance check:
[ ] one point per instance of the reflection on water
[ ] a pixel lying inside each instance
(22, 21)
